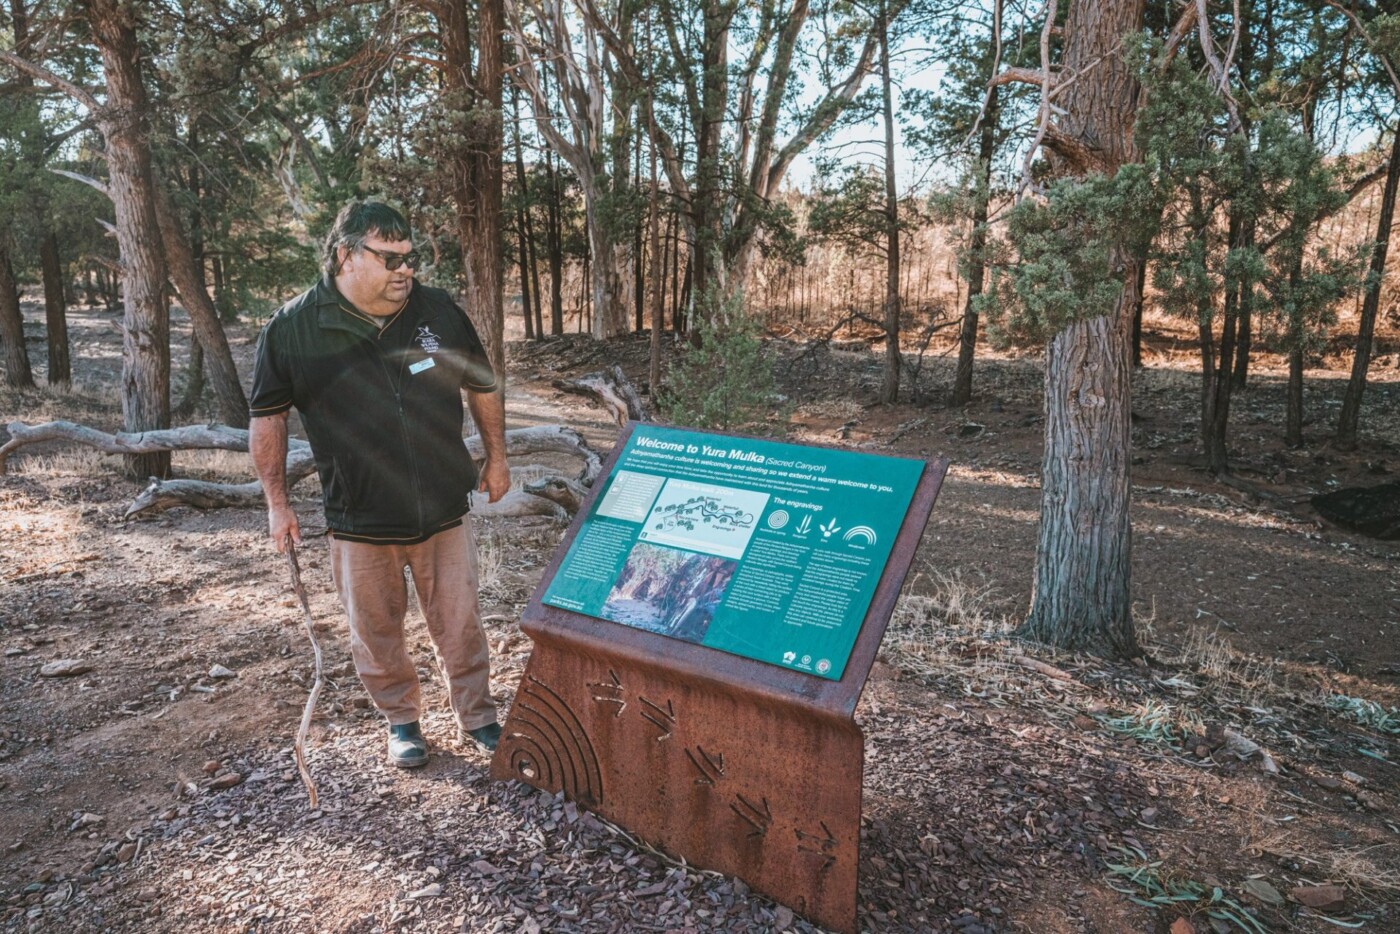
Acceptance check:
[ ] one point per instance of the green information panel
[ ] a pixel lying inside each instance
(766, 550)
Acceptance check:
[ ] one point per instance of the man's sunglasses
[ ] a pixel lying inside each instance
(393, 261)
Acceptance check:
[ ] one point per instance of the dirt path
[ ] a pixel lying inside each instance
(153, 792)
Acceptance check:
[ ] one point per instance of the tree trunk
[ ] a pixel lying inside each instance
(1137, 313)
(1216, 373)
(1082, 598)
(194, 381)
(1350, 416)
(17, 371)
(977, 260)
(146, 320)
(657, 268)
(554, 244)
(706, 259)
(521, 212)
(1239, 380)
(204, 316)
(477, 168)
(889, 386)
(55, 314)
(609, 288)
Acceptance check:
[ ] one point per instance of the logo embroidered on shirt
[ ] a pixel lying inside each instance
(428, 340)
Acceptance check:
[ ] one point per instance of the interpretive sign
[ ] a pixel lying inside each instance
(767, 550)
(701, 639)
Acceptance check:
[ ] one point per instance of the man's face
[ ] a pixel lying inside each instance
(365, 273)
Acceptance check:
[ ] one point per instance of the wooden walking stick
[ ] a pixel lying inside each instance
(300, 746)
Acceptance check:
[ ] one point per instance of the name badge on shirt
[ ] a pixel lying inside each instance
(422, 365)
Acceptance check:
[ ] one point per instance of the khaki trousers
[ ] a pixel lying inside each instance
(370, 580)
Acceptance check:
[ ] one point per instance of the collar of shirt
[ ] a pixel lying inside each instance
(335, 311)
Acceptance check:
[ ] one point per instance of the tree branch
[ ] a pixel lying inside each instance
(40, 73)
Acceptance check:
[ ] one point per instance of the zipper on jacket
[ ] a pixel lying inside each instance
(396, 386)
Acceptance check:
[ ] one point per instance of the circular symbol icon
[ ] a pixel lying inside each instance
(806, 659)
(777, 519)
(824, 666)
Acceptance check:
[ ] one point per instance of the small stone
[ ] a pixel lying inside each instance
(1182, 926)
(1085, 723)
(13, 651)
(87, 820)
(219, 671)
(1320, 897)
(432, 890)
(212, 766)
(225, 781)
(127, 851)
(1148, 815)
(1327, 782)
(782, 918)
(65, 668)
(1354, 778)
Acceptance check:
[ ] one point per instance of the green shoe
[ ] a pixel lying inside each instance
(407, 747)
(484, 736)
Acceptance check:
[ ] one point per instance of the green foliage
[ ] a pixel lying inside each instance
(725, 382)
(1367, 713)
(1153, 723)
(1146, 883)
(1067, 254)
(851, 212)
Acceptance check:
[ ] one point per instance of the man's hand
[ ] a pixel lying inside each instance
(267, 441)
(489, 414)
(495, 478)
(282, 524)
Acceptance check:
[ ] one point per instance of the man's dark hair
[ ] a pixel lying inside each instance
(355, 223)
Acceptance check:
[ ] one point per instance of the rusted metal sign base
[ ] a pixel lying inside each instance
(733, 764)
(758, 787)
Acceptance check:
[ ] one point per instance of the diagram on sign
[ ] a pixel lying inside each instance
(717, 520)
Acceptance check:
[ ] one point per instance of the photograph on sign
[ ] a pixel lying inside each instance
(767, 550)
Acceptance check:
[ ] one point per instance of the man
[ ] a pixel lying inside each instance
(375, 363)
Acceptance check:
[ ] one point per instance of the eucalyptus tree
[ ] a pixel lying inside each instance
(755, 85)
(584, 117)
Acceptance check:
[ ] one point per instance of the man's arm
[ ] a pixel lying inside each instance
(267, 442)
(489, 412)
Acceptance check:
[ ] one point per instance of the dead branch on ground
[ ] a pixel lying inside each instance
(612, 390)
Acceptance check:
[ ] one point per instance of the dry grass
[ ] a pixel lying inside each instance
(490, 563)
(77, 462)
(1221, 669)
(1371, 870)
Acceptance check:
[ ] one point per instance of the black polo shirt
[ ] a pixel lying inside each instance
(382, 407)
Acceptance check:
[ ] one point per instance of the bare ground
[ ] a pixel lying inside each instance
(1007, 789)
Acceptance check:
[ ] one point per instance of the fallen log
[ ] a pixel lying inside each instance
(515, 504)
(567, 493)
(160, 495)
(186, 438)
(542, 439)
(519, 441)
(612, 390)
